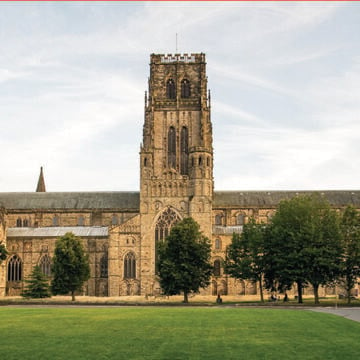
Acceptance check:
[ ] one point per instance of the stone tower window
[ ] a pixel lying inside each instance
(14, 269)
(217, 268)
(172, 147)
(18, 222)
(185, 88)
(45, 265)
(130, 266)
(184, 148)
(164, 224)
(170, 89)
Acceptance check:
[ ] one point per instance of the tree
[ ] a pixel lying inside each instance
(37, 285)
(184, 260)
(303, 245)
(350, 231)
(3, 253)
(244, 256)
(70, 266)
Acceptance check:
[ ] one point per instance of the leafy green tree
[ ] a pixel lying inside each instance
(3, 253)
(303, 245)
(37, 285)
(184, 260)
(70, 266)
(244, 256)
(350, 231)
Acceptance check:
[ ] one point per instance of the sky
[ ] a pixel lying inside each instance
(284, 80)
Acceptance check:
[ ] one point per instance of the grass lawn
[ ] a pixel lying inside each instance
(175, 333)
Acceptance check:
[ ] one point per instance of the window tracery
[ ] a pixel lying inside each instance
(170, 89)
(130, 266)
(14, 272)
(45, 265)
(185, 88)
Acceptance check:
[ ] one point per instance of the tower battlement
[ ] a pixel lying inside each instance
(181, 58)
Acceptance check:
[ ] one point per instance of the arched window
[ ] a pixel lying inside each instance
(217, 244)
(104, 266)
(185, 88)
(114, 220)
(25, 223)
(217, 268)
(45, 265)
(130, 266)
(200, 160)
(55, 220)
(240, 219)
(172, 147)
(164, 224)
(184, 149)
(218, 219)
(14, 272)
(81, 221)
(170, 89)
(18, 222)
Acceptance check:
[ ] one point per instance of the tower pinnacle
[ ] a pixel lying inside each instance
(41, 182)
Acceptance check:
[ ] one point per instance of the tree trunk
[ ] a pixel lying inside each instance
(73, 296)
(261, 289)
(186, 299)
(299, 289)
(316, 293)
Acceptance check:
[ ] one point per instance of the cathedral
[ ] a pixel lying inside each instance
(120, 230)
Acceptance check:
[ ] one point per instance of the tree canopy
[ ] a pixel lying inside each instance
(303, 244)
(70, 266)
(3, 253)
(244, 256)
(184, 260)
(37, 285)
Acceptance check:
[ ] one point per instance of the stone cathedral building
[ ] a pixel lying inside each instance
(120, 229)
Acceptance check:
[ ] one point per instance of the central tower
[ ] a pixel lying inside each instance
(176, 156)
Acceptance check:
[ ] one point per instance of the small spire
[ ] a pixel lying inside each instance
(41, 183)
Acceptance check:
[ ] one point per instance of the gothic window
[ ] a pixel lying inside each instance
(130, 266)
(14, 272)
(18, 222)
(55, 220)
(200, 160)
(218, 219)
(114, 220)
(45, 265)
(26, 223)
(170, 89)
(81, 221)
(172, 147)
(164, 224)
(240, 219)
(145, 162)
(185, 88)
(217, 268)
(184, 143)
(104, 266)
(217, 244)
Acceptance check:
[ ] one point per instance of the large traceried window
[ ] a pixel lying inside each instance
(164, 224)
(104, 266)
(172, 147)
(184, 150)
(170, 89)
(217, 267)
(185, 88)
(14, 272)
(130, 266)
(45, 265)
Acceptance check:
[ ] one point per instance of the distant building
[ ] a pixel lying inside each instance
(120, 229)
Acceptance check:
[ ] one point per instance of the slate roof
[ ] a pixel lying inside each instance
(130, 201)
(264, 199)
(83, 231)
(124, 200)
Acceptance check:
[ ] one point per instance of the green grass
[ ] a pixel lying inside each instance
(175, 333)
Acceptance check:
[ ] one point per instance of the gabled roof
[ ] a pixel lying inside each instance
(124, 200)
(263, 199)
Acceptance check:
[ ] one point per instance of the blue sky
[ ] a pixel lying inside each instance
(284, 80)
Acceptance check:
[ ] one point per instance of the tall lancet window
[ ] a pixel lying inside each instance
(185, 88)
(172, 148)
(184, 149)
(170, 89)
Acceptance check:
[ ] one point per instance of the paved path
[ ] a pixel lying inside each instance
(348, 313)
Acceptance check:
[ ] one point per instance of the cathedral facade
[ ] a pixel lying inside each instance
(120, 230)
